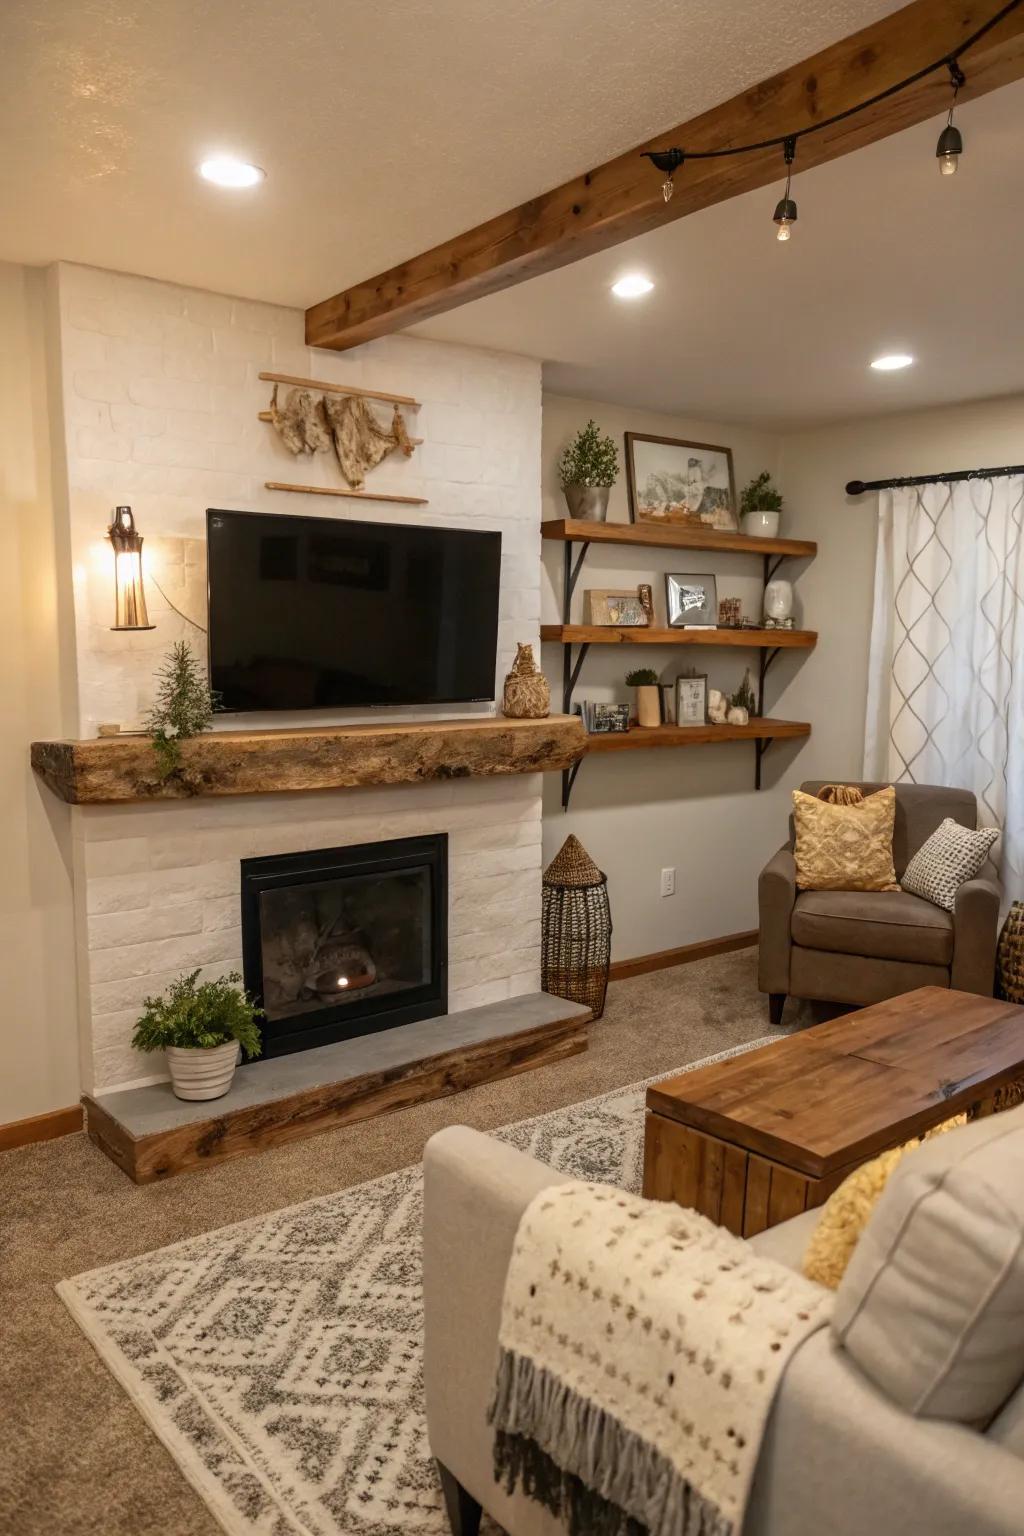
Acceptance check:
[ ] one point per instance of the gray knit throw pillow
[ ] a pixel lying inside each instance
(950, 856)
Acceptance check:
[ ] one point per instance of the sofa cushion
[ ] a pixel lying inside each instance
(844, 847)
(919, 810)
(886, 925)
(931, 1307)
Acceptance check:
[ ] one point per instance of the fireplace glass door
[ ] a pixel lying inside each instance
(345, 941)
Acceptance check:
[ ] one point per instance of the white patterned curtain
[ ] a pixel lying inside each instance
(946, 679)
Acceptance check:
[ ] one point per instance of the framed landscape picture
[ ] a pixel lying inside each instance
(686, 484)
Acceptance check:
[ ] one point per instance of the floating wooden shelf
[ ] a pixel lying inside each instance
(330, 490)
(669, 536)
(605, 634)
(337, 389)
(640, 739)
(117, 770)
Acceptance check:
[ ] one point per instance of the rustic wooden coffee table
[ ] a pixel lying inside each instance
(763, 1136)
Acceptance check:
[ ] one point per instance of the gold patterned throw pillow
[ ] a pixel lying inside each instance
(845, 847)
(848, 1210)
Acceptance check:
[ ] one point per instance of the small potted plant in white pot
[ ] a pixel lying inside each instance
(760, 507)
(588, 468)
(648, 695)
(200, 1028)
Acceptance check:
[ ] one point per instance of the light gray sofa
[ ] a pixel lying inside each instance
(924, 1325)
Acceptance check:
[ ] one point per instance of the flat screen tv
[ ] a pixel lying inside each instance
(319, 613)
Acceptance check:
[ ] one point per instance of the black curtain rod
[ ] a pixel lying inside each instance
(857, 487)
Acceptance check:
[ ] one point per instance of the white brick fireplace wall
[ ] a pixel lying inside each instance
(161, 399)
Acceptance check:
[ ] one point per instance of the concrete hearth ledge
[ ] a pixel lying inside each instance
(151, 1134)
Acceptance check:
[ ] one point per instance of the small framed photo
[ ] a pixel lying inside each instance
(614, 608)
(671, 481)
(692, 601)
(692, 699)
(609, 719)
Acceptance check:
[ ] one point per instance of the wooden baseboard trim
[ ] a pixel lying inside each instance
(663, 958)
(56, 1122)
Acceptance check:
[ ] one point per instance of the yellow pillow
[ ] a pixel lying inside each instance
(845, 847)
(848, 1209)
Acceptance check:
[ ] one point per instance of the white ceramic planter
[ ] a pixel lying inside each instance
(202, 1074)
(778, 600)
(760, 525)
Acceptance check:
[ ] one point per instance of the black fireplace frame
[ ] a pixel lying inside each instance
(280, 1037)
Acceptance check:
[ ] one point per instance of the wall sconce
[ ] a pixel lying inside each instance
(129, 594)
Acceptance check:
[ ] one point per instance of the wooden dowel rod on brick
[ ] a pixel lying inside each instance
(337, 389)
(329, 490)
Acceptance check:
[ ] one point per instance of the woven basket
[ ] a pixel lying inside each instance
(576, 928)
(1010, 956)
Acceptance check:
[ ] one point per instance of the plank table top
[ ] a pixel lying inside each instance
(837, 1093)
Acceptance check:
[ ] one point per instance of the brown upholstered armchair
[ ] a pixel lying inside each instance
(862, 946)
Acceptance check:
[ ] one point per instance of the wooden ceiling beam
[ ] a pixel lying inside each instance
(622, 198)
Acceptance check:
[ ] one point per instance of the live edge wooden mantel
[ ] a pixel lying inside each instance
(114, 770)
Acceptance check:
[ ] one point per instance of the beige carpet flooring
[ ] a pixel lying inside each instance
(76, 1459)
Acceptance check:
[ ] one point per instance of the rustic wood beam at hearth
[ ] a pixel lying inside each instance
(622, 198)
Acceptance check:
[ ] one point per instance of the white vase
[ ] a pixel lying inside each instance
(778, 600)
(761, 524)
(202, 1073)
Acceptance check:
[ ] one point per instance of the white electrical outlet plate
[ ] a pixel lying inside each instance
(668, 882)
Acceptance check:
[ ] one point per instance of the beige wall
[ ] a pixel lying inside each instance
(837, 586)
(692, 809)
(696, 809)
(38, 1037)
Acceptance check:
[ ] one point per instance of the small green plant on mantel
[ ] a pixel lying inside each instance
(642, 677)
(590, 459)
(193, 1017)
(184, 707)
(760, 495)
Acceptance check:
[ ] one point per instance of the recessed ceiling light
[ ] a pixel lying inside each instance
(891, 361)
(224, 171)
(632, 286)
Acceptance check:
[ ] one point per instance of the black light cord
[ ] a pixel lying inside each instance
(669, 160)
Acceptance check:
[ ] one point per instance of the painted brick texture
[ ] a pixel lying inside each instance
(161, 400)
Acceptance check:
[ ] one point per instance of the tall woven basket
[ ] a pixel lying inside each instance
(577, 928)
(1010, 956)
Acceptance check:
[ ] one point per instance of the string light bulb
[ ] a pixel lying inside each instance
(785, 208)
(668, 162)
(951, 144)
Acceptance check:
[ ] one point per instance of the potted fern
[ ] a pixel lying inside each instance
(760, 506)
(588, 469)
(200, 1027)
(644, 681)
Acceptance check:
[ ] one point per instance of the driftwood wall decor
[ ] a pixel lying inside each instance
(316, 416)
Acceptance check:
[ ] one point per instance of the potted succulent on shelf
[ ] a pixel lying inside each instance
(648, 695)
(588, 468)
(200, 1028)
(760, 505)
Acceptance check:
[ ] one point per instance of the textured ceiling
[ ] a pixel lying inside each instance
(384, 128)
(886, 256)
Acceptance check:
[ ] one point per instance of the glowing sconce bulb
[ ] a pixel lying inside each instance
(129, 593)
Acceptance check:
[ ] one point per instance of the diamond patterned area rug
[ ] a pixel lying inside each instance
(279, 1360)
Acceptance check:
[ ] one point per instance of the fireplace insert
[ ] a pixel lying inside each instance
(342, 942)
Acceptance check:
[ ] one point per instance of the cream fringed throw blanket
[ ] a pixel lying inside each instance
(640, 1350)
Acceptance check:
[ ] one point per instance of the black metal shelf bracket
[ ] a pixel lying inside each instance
(568, 780)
